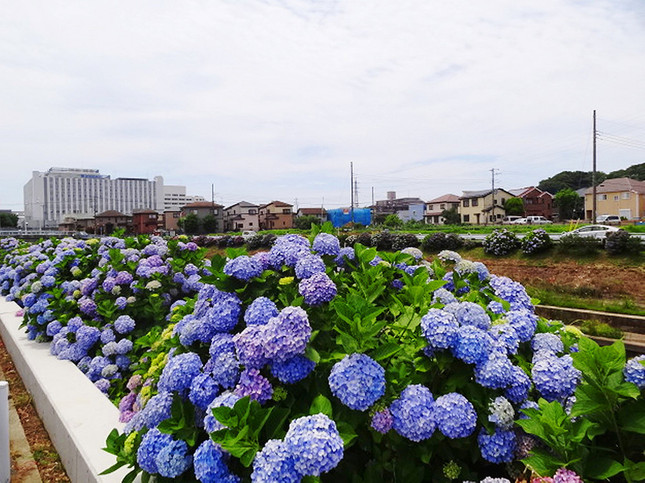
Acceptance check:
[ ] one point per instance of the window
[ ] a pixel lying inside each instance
(503, 200)
(430, 207)
(625, 195)
(286, 211)
(442, 206)
(601, 197)
(466, 203)
(615, 197)
(475, 202)
(466, 218)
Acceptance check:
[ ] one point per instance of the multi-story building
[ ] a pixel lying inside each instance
(175, 198)
(435, 207)
(145, 222)
(57, 193)
(406, 209)
(202, 209)
(536, 202)
(275, 216)
(624, 197)
(483, 207)
(241, 216)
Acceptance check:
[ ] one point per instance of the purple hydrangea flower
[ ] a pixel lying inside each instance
(309, 265)
(255, 385)
(260, 311)
(382, 421)
(358, 381)
(292, 370)
(179, 372)
(634, 371)
(243, 268)
(564, 475)
(326, 244)
(124, 324)
(317, 289)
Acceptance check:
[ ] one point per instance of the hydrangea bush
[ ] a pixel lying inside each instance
(307, 361)
(537, 241)
(501, 242)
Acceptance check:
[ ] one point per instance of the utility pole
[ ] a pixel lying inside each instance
(351, 186)
(492, 171)
(593, 173)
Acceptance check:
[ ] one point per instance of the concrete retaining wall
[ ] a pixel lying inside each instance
(78, 417)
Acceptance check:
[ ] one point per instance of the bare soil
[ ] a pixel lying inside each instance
(599, 279)
(45, 455)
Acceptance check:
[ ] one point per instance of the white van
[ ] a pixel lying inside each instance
(508, 220)
(608, 219)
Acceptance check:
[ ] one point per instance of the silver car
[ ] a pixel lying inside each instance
(593, 231)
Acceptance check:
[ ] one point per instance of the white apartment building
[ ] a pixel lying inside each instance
(174, 198)
(58, 193)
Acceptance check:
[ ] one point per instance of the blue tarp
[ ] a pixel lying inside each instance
(342, 216)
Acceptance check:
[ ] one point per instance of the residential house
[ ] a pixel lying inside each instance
(435, 207)
(624, 197)
(276, 215)
(241, 216)
(405, 208)
(536, 202)
(108, 221)
(145, 222)
(319, 213)
(483, 207)
(204, 208)
(171, 220)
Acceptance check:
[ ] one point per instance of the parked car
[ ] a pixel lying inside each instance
(519, 221)
(537, 220)
(608, 219)
(508, 220)
(248, 234)
(593, 231)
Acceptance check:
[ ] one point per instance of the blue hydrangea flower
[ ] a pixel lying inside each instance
(315, 444)
(317, 289)
(203, 390)
(292, 370)
(151, 444)
(326, 244)
(358, 381)
(124, 324)
(309, 265)
(472, 345)
(107, 335)
(439, 328)
(255, 385)
(288, 249)
(496, 372)
(173, 459)
(454, 415)
(412, 413)
(53, 327)
(548, 342)
(518, 390)
(157, 409)
(275, 463)
(179, 372)
(470, 313)
(496, 307)
(505, 337)
(443, 296)
(286, 335)
(346, 253)
(524, 322)
(512, 292)
(634, 371)
(123, 346)
(243, 268)
(250, 346)
(498, 447)
(260, 311)
(554, 377)
(209, 462)
(382, 421)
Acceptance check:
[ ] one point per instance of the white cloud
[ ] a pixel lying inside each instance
(273, 99)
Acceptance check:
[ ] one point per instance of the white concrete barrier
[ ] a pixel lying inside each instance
(77, 416)
(5, 462)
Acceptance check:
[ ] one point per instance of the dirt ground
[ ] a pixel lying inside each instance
(601, 279)
(47, 460)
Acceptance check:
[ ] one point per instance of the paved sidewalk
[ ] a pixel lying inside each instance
(23, 466)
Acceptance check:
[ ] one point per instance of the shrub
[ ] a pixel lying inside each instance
(405, 240)
(501, 242)
(579, 245)
(383, 240)
(621, 242)
(441, 241)
(364, 239)
(536, 242)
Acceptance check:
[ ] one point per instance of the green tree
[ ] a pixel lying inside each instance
(570, 179)
(451, 216)
(636, 171)
(209, 223)
(8, 220)
(393, 221)
(569, 204)
(190, 224)
(514, 206)
(305, 222)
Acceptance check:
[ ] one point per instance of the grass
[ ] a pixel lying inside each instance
(584, 298)
(601, 329)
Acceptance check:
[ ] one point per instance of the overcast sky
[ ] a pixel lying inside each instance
(273, 99)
